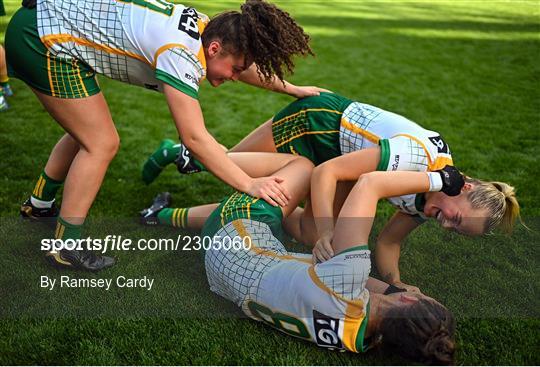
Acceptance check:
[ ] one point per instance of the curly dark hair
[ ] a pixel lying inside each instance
(263, 33)
(423, 331)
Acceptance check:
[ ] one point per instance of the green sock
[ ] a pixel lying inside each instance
(176, 217)
(163, 156)
(46, 188)
(199, 165)
(65, 230)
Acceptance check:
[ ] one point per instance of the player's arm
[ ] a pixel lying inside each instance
(388, 248)
(189, 122)
(348, 167)
(356, 217)
(251, 77)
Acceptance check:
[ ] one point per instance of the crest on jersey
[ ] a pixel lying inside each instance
(327, 331)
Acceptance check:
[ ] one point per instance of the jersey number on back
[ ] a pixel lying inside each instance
(285, 323)
(188, 23)
(441, 145)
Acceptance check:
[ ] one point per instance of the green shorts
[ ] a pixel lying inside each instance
(310, 127)
(243, 206)
(29, 59)
(2, 9)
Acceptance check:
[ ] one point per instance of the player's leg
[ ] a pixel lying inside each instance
(168, 152)
(259, 140)
(300, 224)
(254, 164)
(41, 204)
(89, 123)
(61, 157)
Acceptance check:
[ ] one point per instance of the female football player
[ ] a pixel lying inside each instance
(59, 47)
(334, 304)
(345, 139)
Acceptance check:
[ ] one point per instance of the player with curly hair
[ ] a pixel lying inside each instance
(58, 46)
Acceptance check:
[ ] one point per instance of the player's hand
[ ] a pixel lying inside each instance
(452, 179)
(269, 189)
(303, 92)
(323, 248)
(408, 287)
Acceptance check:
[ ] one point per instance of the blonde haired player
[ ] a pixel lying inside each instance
(346, 139)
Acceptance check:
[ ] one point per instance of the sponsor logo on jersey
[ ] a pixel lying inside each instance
(190, 77)
(326, 331)
(363, 255)
(396, 163)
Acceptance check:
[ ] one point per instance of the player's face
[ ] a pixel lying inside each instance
(455, 213)
(222, 66)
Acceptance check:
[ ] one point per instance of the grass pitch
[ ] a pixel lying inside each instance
(467, 69)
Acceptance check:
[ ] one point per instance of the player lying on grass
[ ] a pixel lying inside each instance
(345, 139)
(58, 48)
(334, 304)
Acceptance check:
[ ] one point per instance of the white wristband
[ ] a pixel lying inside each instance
(435, 181)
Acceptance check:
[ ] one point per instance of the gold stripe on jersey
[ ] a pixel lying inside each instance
(355, 129)
(52, 39)
(305, 133)
(81, 85)
(242, 231)
(439, 163)
(51, 84)
(354, 316)
(289, 117)
(164, 48)
(315, 278)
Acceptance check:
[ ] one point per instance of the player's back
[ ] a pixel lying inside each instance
(122, 39)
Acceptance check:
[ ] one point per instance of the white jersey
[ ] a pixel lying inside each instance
(405, 145)
(140, 42)
(326, 303)
(412, 204)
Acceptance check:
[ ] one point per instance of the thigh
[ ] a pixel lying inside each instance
(259, 140)
(88, 120)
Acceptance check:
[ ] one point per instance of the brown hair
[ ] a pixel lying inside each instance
(263, 33)
(500, 201)
(423, 331)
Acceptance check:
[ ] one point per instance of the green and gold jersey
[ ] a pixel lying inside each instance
(141, 42)
(327, 303)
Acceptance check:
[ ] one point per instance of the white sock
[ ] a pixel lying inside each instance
(41, 204)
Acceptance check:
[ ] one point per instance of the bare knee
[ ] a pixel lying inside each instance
(105, 148)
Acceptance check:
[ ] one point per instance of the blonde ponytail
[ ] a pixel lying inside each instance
(499, 199)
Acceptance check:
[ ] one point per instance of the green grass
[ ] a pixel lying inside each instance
(467, 69)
